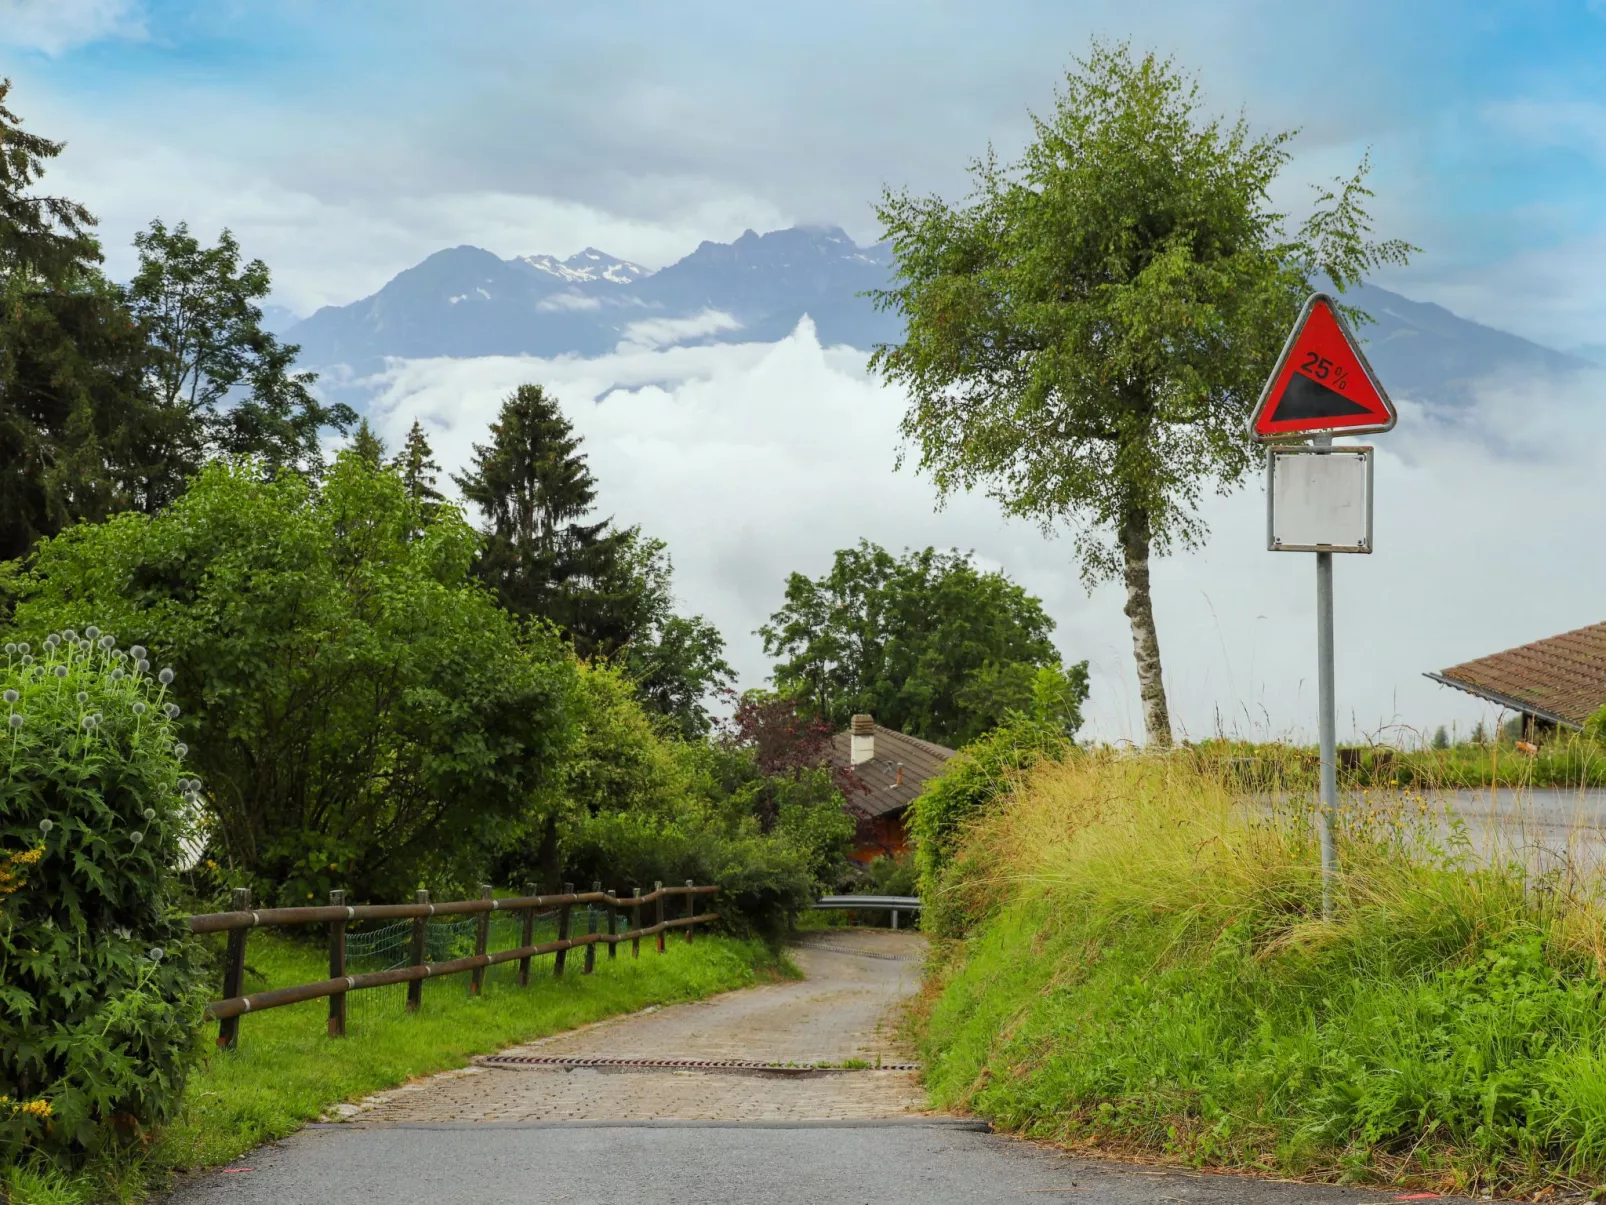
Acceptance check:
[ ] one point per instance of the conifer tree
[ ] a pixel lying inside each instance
(416, 464)
(535, 491)
(80, 435)
(368, 445)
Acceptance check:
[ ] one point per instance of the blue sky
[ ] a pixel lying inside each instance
(345, 139)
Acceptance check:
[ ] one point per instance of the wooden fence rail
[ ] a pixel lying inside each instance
(337, 916)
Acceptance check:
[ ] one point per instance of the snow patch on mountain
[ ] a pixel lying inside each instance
(587, 267)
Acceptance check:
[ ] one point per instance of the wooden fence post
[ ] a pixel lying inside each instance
(337, 966)
(526, 940)
(482, 938)
(691, 908)
(635, 923)
(591, 930)
(563, 933)
(415, 989)
(659, 888)
(228, 1029)
(613, 928)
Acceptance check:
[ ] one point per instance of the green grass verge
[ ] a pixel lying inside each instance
(1567, 761)
(287, 1071)
(1147, 970)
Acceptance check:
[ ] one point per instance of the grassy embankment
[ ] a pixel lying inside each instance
(1148, 972)
(1564, 761)
(287, 1072)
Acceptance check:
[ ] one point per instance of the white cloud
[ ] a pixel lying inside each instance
(569, 301)
(651, 333)
(54, 26)
(755, 460)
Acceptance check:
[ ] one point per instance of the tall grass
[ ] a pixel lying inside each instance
(1148, 969)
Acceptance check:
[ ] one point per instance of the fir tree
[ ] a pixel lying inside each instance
(535, 491)
(368, 445)
(80, 435)
(416, 464)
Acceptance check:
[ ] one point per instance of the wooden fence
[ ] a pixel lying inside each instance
(337, 915)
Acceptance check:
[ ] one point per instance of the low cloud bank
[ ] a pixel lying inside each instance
(755, 460)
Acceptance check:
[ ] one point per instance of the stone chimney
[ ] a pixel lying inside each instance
(863, 739)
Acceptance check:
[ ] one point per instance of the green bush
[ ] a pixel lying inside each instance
(761, 879)
(985, 769)
(100, 982)
(363, 712)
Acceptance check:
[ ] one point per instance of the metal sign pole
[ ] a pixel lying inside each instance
(1327, 719)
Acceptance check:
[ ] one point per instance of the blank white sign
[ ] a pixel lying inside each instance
(1319, 499)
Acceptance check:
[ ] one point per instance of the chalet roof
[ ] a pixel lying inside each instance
(921, 760)
(1561, 679)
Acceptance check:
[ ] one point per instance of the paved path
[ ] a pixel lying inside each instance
(494, 1135)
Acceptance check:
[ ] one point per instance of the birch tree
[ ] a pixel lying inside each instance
(1087, 333)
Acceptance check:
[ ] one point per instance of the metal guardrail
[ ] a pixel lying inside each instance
(889, 903)
(242, 919)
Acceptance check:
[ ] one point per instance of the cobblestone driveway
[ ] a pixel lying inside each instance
(840, 1012)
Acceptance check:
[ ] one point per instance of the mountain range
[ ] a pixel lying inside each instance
(466, 301)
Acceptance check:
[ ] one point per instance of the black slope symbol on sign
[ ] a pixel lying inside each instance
(1308, 399)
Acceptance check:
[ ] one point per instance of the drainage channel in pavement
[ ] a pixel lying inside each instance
(726, 1066)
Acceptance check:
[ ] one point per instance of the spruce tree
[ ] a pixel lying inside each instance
(541, 557)
(416, 464)
(368, 445)
(80, 435)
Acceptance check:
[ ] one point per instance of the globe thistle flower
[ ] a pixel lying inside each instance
(27, 660)
(165, 677)
(142, 665)
(52, 640)
(83, 696)
(46, 825)
(85, 645)
(118, 675)
(181, 749)
(149, 813)
(136, 837)
(137, 652)
(60, 671)
(69, 635)
(107, 642)
(91, 631)
(172, 710)
(90, 721)
(155, 953)
(11, 696)
(11, 647)
(139, 708)
(16, 720)
(24, 648)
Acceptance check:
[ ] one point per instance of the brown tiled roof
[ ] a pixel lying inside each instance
(921, 760)
(1562, 679)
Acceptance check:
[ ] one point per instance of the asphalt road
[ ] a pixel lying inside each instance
(496, 1136)
(921, 1162)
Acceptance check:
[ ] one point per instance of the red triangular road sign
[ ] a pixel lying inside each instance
(1322, 382)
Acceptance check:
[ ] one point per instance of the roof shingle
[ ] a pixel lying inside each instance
(1562, 678)
(920, 759)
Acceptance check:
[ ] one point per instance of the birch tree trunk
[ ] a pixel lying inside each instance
(1135, 538)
